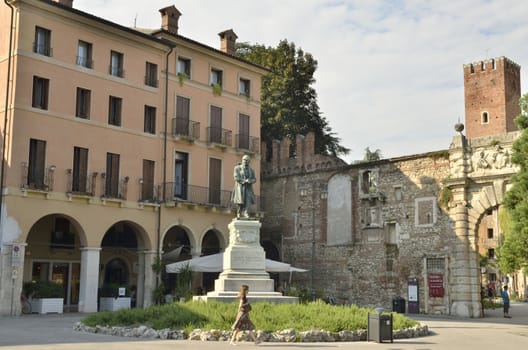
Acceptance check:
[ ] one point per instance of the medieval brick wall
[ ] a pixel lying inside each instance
(394, 224)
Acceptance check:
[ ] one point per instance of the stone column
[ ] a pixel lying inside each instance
(463, 283)
(146, 278)
(89, 279)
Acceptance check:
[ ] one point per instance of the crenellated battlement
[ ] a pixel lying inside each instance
(289, 157)
(490, 64)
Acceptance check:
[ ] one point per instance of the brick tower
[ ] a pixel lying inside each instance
(492, 90)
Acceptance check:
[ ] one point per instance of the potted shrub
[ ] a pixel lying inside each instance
(46, 296)
(110, 298)
(217, 89)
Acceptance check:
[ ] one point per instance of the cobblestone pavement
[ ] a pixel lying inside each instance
(55, 332)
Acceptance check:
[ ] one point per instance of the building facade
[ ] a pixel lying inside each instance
(119, 145)
(411, 227)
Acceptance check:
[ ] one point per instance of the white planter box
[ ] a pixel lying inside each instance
(113, 304)
(47, 306)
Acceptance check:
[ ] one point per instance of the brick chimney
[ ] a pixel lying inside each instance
(169, 19)
(228, 41)
(68, 3)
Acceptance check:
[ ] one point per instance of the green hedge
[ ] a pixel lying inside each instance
(267, 317)
(43, 289)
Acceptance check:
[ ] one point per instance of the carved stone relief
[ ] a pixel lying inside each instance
(484, 160)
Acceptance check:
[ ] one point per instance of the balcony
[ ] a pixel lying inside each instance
(219, 136)
(197, 195)
(248, 143)
(117, 190)
(186, 128)
(37, 178)
(148, 192)
(82, 185)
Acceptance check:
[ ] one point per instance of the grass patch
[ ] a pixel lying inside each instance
(268, 317)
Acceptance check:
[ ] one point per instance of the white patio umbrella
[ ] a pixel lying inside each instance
(215, 263)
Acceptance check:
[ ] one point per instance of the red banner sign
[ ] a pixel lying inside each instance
(436, 285)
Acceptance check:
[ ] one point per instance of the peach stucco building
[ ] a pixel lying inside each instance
(119, 147)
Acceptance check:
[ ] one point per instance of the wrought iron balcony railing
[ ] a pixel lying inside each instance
(118, 191)
(219, 136)
(197, 194)
(246, 142)
(37, 178)
(82, 184)
(185, 127)
(149, 193)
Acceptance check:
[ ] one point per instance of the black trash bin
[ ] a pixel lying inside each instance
(398, 305)
(379, 327)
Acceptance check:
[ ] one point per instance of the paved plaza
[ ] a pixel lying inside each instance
(55, 332)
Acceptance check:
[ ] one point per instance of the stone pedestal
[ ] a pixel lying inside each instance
(245, 263)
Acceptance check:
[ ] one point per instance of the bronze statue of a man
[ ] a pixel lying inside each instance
(243, 196)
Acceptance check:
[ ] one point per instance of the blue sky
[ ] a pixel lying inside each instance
(389, 73)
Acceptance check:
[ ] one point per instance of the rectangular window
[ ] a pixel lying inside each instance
(84, 54)
(147, 190)
(82, 109)
(398, 193)
(435, 265)
(61, 236)
(114, 111)
(80, 170)
(116, 64)
(42, 44)
(243, 131)
(36, 166)
(490, 233)
(215, 180)
(491, 253)
(215, 130)
(150, 120)
(244, 87)
(369, 182)
(151, 74)
(112, 175)
(216, 77)
(425, 211)
(180, 175)
(40, 92)
(183, 106)
(184, 66)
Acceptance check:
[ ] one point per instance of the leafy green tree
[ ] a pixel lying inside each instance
(513, 253)
(371, 155)
(288, 100)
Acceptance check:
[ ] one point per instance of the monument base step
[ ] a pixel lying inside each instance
(230, 297)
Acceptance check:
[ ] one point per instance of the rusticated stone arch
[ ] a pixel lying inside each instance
(490, 196)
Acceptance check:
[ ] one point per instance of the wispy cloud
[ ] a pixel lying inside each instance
(389, 72)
